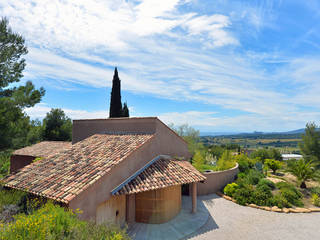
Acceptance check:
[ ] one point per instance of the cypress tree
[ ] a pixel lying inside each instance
(125, 110)
(115, 102)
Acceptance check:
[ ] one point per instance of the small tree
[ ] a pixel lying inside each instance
(57, 126)
(304, 170)
(273, 164)
(198, 160)
(125, 110)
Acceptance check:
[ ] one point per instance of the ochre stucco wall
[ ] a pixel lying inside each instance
(158, 206)
(216, 181)
(82, 129)
(113, 210)
(19, 161)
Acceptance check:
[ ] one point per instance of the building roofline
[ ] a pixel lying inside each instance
(110, 119)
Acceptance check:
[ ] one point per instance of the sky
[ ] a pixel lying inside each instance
(219, 66)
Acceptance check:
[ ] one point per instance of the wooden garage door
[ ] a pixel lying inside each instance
(158, 206)
(112, 211)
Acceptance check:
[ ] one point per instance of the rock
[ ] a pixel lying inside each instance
(266, 208)
(285, 210)
(8, 212)
(253, 205)
(233, 200)
(300, 210)
(227, 197)
(276, 209)
(314, 209)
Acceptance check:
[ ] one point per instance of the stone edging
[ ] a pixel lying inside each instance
(274, 208)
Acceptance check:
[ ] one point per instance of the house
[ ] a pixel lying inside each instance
(117, 170)
(290, 156)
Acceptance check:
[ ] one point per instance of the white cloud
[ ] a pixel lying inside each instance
(40, 110)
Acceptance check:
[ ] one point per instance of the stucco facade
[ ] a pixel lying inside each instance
(164, 142)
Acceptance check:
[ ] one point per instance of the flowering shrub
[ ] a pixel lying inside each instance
(53, 222)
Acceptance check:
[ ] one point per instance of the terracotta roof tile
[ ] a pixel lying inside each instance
(43, 149)
(65, 174)
(164, 172)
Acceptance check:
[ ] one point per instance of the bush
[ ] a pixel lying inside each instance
(253, 177)
(315, 200)
(243, 194)
(10, 197)
(53, 222)
(4, 163)
(280, 201)
(266, 182)
(245, 163)
(230, 189)
(315, 190)
(273, 164)
(290, 193)
(262, 196)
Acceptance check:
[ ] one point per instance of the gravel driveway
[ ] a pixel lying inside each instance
(228, 220)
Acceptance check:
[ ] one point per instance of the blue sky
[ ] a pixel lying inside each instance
(220, 66)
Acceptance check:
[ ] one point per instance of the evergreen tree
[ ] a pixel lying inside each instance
(57, 126)
(310, 145)
(115, 102)
(125, 110)
(14, 123)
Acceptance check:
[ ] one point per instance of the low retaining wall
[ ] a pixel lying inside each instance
(216, 181)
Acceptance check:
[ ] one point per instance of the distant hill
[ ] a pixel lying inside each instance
(297, 132)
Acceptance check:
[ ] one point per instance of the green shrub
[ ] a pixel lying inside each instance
(280, 201)
(262, 196)
(53, 222)
(4, 163)
(253, 177)
(290, 193)
(245, 163)
(315, 190)
(243, 194)
(266, 182)
(10, 197)
(315, 200)
(230, 189)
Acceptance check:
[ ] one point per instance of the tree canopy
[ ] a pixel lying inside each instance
(57, 126)
(310, 145)
(14, 123)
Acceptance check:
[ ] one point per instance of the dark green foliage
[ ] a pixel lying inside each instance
(262, 196)
(243, 194)
(253, 177)
(280, 201)
(310, 146)
(125, 110)
(4, 163)
(266, 182)
(14, 124)
(245, 163)
(290, 193)
(115, 101)
(57, 126)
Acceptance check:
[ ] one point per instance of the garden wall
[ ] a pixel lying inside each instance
(216, 181)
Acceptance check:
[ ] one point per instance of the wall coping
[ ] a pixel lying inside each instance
(216, 172)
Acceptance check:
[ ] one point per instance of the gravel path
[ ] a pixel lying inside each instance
(228, 220)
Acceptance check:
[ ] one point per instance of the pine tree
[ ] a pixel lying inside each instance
(310, 145)
(115, 102)
(125, 110)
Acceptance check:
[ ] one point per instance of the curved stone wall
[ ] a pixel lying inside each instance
(216, 181)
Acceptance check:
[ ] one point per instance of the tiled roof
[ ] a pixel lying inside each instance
(63, 176)
(43, 149)
(165, 172)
